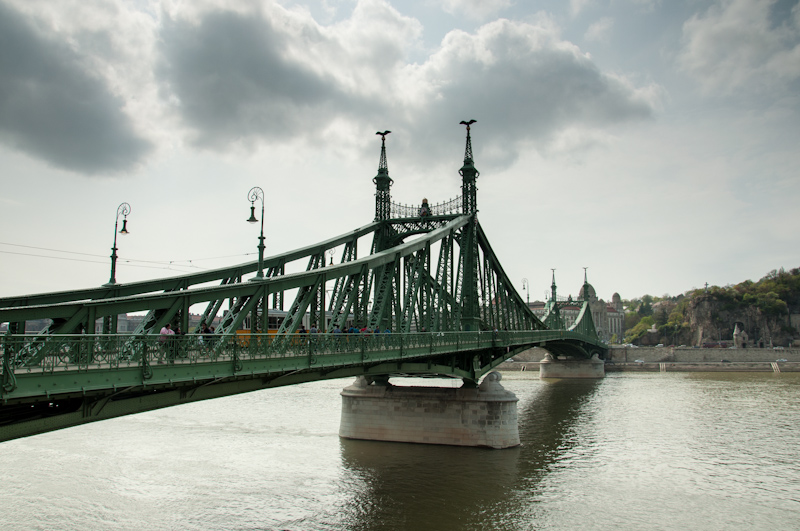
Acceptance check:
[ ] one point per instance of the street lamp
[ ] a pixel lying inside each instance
(257, 193)
(122, 210)
(330, 252)
(526, 287)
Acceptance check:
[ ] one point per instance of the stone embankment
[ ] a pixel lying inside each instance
(681, 359)
(701, 355)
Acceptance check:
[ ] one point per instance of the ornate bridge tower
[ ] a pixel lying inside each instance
(470, 312)
(383, 183)
(554, 318)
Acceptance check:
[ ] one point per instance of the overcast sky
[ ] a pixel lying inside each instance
(656, 142)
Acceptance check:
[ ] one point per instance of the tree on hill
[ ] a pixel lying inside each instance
(762, 307)
(639, 330)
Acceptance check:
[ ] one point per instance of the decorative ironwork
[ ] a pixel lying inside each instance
(122, 210)
(101, 353)
(451, 206)
(256, 193)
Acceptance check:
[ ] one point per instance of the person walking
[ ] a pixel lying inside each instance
(165, 339)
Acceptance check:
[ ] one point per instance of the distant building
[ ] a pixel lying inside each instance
(608, 317)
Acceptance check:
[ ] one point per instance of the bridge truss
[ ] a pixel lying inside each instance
(430, 277)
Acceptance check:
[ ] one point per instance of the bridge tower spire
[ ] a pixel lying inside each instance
(471, 310)
(469, 174)
(383, 183)
(554, 319)
(585, 285)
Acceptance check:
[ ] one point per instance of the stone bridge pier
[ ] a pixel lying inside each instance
(483, 416)
(551, 367)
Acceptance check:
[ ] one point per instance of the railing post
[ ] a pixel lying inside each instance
(235, 357)
(312, 347)
(147, 371)
(9, 381)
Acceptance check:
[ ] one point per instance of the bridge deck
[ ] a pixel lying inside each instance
(84, 364)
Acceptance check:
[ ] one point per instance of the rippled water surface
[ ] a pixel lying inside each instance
(632, 451)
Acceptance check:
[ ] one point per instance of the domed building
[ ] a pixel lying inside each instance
(608, 317)
(590, 289)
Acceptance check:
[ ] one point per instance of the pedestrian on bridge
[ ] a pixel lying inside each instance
(164, 339)
(424, 210)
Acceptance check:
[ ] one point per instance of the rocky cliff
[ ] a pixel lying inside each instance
(711, 320)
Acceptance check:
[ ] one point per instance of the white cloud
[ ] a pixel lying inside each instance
(736, 45)
(576, 6)
(475, 9)
(600, 30)
(523, 83)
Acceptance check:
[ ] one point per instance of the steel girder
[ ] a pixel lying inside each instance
(394, 286)
(274, 265)
(354, 274)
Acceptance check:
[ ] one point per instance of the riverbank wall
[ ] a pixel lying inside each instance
(711, 366)
(682, 359)
(701, 355)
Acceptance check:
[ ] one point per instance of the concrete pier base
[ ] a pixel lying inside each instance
(552, 368)
(484, 416)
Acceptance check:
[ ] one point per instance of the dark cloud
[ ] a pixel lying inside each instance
(52, 109)
(780, 13)
(241, 78)
(233, 81)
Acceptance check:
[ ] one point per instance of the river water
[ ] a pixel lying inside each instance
(633, 451)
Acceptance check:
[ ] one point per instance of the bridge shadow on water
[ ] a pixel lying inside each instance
(411, 486)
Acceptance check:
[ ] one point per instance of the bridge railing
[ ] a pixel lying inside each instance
(451, 206)
(82, 352)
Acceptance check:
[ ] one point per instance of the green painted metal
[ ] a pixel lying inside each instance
(443, 293)
(383, 184)
(470, 305)
(89, 369)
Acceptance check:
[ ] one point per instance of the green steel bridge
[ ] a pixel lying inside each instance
(430, 284)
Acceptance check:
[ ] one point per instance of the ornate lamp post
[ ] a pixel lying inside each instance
(252, 195)
(526, 287)
(330, 253)
(124, 209)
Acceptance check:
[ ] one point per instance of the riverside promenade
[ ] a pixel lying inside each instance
(680, 359)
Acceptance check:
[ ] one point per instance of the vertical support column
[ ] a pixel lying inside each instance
(322, 326)
(470, 313)
(110, 321)
(185, 315)
(265, 309)
(90, 320)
